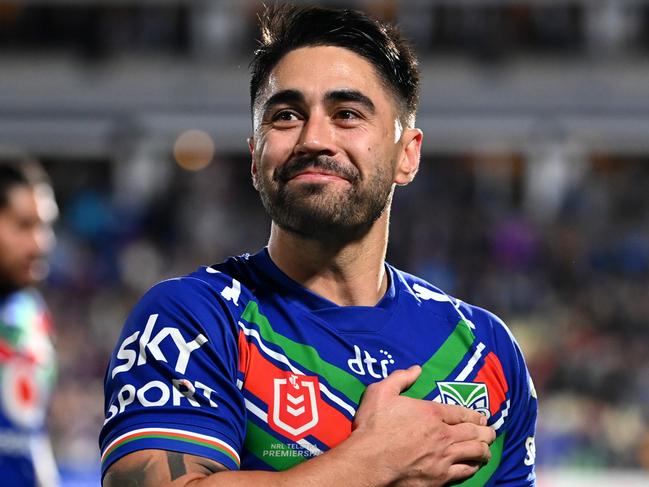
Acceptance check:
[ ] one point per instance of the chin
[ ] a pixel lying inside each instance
(23, 282)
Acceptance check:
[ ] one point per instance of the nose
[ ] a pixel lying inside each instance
(316, 137)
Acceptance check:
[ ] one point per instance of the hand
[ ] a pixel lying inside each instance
(396, 441)
(417, 442)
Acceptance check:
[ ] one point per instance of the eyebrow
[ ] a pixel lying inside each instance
(284, 96)
(351, 96)
(335, 96)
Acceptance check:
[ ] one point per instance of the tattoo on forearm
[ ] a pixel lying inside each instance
(176, 463)
(210, 466)
(134, 477)
(148, 469)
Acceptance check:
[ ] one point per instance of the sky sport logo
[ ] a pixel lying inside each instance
(467, 394)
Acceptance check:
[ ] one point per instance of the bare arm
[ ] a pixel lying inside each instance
(396, 441)
(158, 468)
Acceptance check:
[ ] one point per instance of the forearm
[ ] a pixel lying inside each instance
(396, 440)
(339, 466)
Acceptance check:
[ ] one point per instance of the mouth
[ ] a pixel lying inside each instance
(318, 176)
(316, 170)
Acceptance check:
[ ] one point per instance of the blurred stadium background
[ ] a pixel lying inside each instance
(532, 199)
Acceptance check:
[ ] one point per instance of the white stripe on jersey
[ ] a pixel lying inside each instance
(471, 363)
(283, 359)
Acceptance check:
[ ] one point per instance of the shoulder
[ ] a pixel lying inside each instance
(225, 286)
(193, 316)
(25, 311)
(208, 301)
(486, 325)
(490, 328)
(28, 300)
(420, 291)
(495, 346)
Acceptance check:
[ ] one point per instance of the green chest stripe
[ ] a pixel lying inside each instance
(442, 363)
(438, 367)
(306, 356)
(484, 474)
(270, 450)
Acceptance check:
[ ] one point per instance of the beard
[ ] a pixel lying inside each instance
(15, 277)
(317, 211)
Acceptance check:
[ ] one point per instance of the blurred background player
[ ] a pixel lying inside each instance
(27, 359)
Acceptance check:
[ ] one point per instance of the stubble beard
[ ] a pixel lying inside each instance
(12, 280)
(321, 212)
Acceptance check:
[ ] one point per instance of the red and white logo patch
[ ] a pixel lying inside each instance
(23, 398)
(294, 410)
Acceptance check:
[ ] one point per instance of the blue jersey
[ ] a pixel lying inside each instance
(27, 371)
(239, 363)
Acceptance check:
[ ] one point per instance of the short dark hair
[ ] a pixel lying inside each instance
(285, 28)
(19, 171)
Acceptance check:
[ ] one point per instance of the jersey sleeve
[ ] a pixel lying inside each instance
(518, 456)
(172, 379)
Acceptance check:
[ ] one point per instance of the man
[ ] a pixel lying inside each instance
(314, 362)
(27, 361)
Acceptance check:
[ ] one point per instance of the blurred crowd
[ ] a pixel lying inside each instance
(560, 251)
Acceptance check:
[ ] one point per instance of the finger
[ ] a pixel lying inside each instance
(470, 431)
(452, 414)
(461, 471)
(469, 452)
(400, 380)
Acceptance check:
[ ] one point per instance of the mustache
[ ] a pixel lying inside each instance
(297, 165)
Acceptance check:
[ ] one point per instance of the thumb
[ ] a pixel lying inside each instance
(400, 380)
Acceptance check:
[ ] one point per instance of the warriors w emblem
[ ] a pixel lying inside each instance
(295, 406)
(467, 394)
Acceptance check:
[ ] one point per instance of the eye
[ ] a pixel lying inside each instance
(347, 115)
(285, 116)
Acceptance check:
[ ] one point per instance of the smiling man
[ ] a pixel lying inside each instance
(314, 362)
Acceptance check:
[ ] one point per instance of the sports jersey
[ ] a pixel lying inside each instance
(239, 363)
(27, 371)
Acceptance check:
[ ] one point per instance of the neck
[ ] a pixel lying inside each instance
(346, 273)
(7, 288)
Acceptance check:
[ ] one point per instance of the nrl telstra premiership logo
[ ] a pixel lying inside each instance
(466, 394)
(294, 410)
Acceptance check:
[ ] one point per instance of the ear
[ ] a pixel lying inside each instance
(253, 164)
(409, 156)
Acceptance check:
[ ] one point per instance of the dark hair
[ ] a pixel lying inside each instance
(19, 171)
(285, 28)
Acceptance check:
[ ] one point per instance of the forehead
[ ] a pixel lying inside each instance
(317, 70)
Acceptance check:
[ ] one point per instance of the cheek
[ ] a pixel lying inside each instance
(373, 140)
(8, 253)
(273, 151)
(378, 151)
(7, 234)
